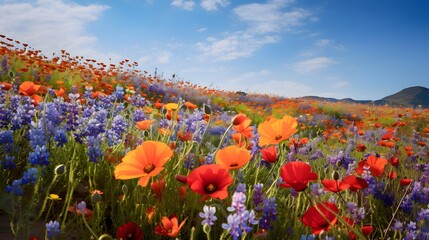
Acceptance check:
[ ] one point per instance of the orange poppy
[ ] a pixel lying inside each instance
(232, 157)
(190, 105)
(28, 88)
(144, 125)
(169, 226)
(7, 86)
(146, 161)
(275, 131)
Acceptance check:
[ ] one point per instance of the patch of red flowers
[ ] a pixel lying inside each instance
(129, 230)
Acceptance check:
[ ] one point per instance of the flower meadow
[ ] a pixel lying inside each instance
(105, 151)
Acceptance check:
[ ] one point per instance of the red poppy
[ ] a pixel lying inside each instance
(355, 183)
(406, 181)
(321, 217)
(394, 161)
(158, 187)
(367, 229)
(297, 175)
(129, 230)
(209, 181)
(269, 154)
(376, 165)
(169, 226)
(335, 186)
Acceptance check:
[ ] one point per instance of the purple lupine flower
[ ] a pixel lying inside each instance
(53, 228)
(6, 139)
(208, 215)
(37, 136)
(9, 162)
(16, 188)
(138, 101)
(114, 135)
(356, 214)
(241, 187)
(258, 197)
(233, 226)
(81, 207)
(238, 200)
(72, 116)
(423, 215)
(40, 156)
(138, 115)
(397, 226)
(270, 213)
(60, 137)
(94, 149)
(316, 189)
(216, 130)
(407, 205)
(209, 158)
(411, 226)
(30, 176)
(118, 93)
(189, 161)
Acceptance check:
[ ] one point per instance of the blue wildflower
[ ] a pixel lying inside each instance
(270, 213)
(60, 137)
(30, 176)
(208, 215)
(40, 156)
(16, 188)
(9, 162)
(53, 228)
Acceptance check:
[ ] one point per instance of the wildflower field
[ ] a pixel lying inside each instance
(90, 150)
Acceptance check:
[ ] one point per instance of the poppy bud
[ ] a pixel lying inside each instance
(207, 109)
(181, 178)
(96, 197)
(335, 175)
(206, 229)
(124, 189)
(60, 169)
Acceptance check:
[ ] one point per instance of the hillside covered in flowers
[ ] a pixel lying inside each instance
(90, 150)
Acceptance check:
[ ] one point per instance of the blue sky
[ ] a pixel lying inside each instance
(364, 49)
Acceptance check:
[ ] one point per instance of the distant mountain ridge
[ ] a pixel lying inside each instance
(408, 97)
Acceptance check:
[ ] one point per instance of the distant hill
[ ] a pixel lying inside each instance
(408, 97)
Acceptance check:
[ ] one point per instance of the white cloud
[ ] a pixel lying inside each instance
(285, 88)
(163, 57)
(314, 64)
(187, 5)
(237, 45)
(52, 25)
(203, 29)
(265, 22)
(270, 17)
(323, 42)
(212, 5)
